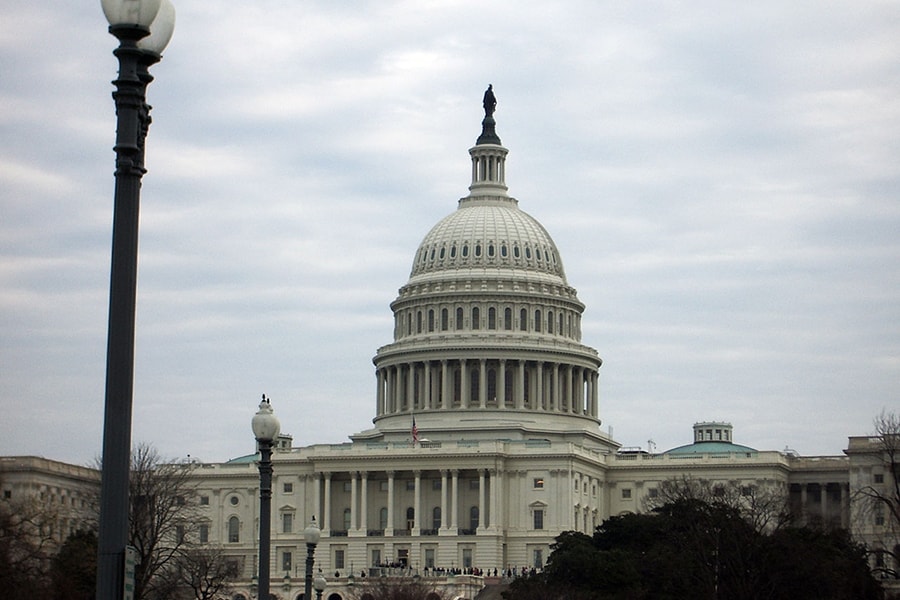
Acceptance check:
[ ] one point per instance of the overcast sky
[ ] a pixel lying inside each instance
(722, 181)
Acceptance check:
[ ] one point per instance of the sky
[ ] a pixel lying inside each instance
(722, 181)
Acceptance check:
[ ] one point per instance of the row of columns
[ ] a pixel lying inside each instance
(430, 385)
(489, 500)
(826, 508)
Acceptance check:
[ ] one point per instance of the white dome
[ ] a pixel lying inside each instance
(493, 233)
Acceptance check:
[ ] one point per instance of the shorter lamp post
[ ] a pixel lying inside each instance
(265, 430)
(311, 534)
(319, 583)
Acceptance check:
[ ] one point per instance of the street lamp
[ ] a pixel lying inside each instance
(319, 583)
(143, 28)
(265, 429)
(311, 534)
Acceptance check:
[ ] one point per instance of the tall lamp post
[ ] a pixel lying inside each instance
(311, 534)
(319, 583)
(143, 28)
(265, 430)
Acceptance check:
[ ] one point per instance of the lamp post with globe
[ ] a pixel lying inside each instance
(311, 535)
(143, 28)
(265, 429)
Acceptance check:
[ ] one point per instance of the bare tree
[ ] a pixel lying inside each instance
(28, 541)
(398, 588)
(879, 495)
(766, 509)
(200, 573)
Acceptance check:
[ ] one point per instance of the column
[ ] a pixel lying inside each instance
(560, 401)
(353, 501)
(389, 529)
(417, 503)
(520, 391)
(391, 387)
(501, 384)
(379, 392)
(539, 386)
(570, 388)
(482, 383)
(410, 386)
(444, 499)
(445, 386)
(364, 502)
(595, 393)
(426, 403)
(317, 501)
(482, 513)
(465, 389)
(454, 500)
(326, 518)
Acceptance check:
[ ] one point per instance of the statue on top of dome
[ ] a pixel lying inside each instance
(490, 102)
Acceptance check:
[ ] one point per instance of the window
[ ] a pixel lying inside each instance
(410, 485)
(287, 560)
(538, 483)
(203, 533)
(474, 521)
(879, 477)
(234, 530)
(234, 500)
(287, 488)
(473, 484)
(382, 518)
(287, 522)
(179, 534)
(429, 558)
(576, 485)
(383, 486)
(347, 515)
(431, 320)
(459, 318)
(204, 500)
(523, 320)
(538, 519)
(653, 493)
(626, 493)
(445, 319)
(507, 319)
(376, 553)
(410, 517)
(338, 559)
(746, 490)
(476, 318)
(346, 486)
(435, 484)
(538, 558)
(549, 321)
(537, 320)
(467, 558)
(492, 318)
(436, 518)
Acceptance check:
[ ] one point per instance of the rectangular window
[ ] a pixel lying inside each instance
(287, 523)
(410, 485)
(287, 560)
(538, 483)
(429, 558)
(338, 559)
(626, 493)
(346, 486)
(576, 485)
(653, 493)
(435, 484)
(538, 519)
(473, 484)
(467, 558)
(204, 500)
(879, 477)
(538, 558)
(746, 490)
(383, 486)
(287, 488)
(203, 533)
(376, 557)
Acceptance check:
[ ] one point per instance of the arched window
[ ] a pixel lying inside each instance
(491, 385)
(549, 321)
(382, 518)
(409, 328)
(234, 530)
(430, 320)
(473, 517)
(492, 318)
(523, 320)
(537, 320)
(445, 319)
(476, 318)
(419, 322)
(459, 317)
(436, 518)
(507, 318)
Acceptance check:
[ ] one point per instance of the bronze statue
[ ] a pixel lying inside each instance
(490, 102)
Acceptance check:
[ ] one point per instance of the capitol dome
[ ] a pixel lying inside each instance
(487, 330)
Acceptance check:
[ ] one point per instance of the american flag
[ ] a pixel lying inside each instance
(415, 432)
